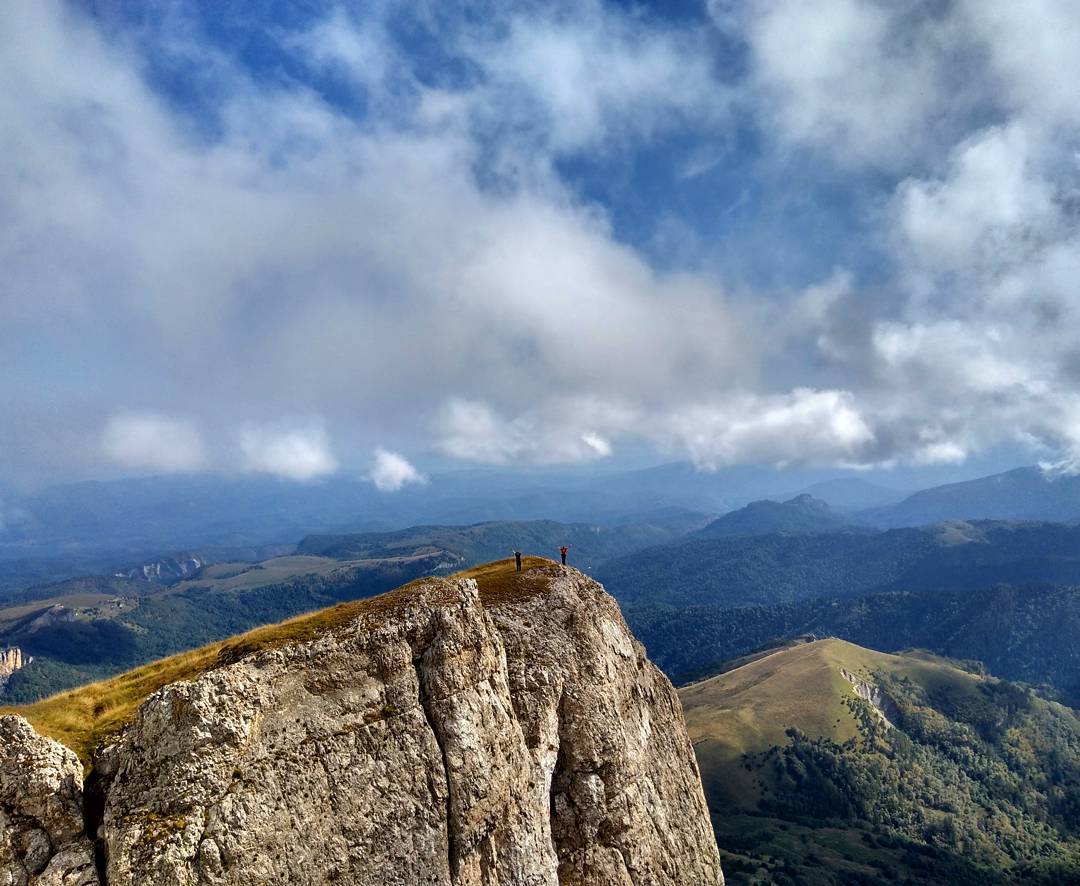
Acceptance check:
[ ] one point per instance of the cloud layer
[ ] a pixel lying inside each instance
(447, 241)
(154, 443)
(299, 453)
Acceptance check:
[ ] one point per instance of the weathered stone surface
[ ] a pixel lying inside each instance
(519, 740)
(606, 731)
(42, 836)
(11, 660)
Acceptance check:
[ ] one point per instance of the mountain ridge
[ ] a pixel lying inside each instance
(1025, 493)
(802, 514)
(854, 765)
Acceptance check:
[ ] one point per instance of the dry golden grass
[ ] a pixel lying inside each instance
(84, 717)
(500, 582)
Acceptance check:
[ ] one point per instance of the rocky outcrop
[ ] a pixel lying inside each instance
(515, 737)
(11, 660)
(880, 703)
(42, 836)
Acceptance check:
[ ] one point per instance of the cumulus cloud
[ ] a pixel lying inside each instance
(392, 471)
(426, 258)
(352, 245)
(993, 207)
(594, 74)
(152, 442)
(558, 432)
(864, 82)
(804, 426)
(300, 453)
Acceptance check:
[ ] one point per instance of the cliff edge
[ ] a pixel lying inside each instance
(496, 729)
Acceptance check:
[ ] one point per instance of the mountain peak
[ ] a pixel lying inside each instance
(492, 727)
(802, 514)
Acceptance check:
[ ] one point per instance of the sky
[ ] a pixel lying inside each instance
(307, 238)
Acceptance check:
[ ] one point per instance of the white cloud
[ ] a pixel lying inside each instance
(559, 432)
(596, 74)
(148, 441)
(944, 452)
(598, 444)
(425, 258)
(992, 207)
(392, 470)
(1032, 52)
(865, 82)
(300, 453)
(804, 426)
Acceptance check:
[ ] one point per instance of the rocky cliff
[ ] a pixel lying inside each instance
(504, 730)
(11, 660)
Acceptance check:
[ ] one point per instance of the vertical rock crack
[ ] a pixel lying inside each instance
(429, 716)
(93, 806)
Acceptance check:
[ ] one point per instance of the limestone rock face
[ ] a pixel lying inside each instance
(42, 836)
(445, 736)
(11, 660)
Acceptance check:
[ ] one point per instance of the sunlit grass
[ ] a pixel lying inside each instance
(84, 717)
(747, 710)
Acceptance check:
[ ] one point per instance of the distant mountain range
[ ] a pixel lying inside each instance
(777, 568)
(849, 494)
(80, 528)
(1021, 494)
(590, 544)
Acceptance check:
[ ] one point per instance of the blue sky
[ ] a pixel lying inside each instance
(286, 237)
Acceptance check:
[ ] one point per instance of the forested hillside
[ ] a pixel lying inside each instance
(802, 514)
(783, 568)
(1019, 633)
(827, 763)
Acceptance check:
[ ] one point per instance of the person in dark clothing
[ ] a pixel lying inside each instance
(563, 551)
(517, 557)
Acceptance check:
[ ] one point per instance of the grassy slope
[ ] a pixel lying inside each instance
(82, 718)
(748, 709)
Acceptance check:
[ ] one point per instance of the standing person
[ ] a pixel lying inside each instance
(517, 557)
(563, 551)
